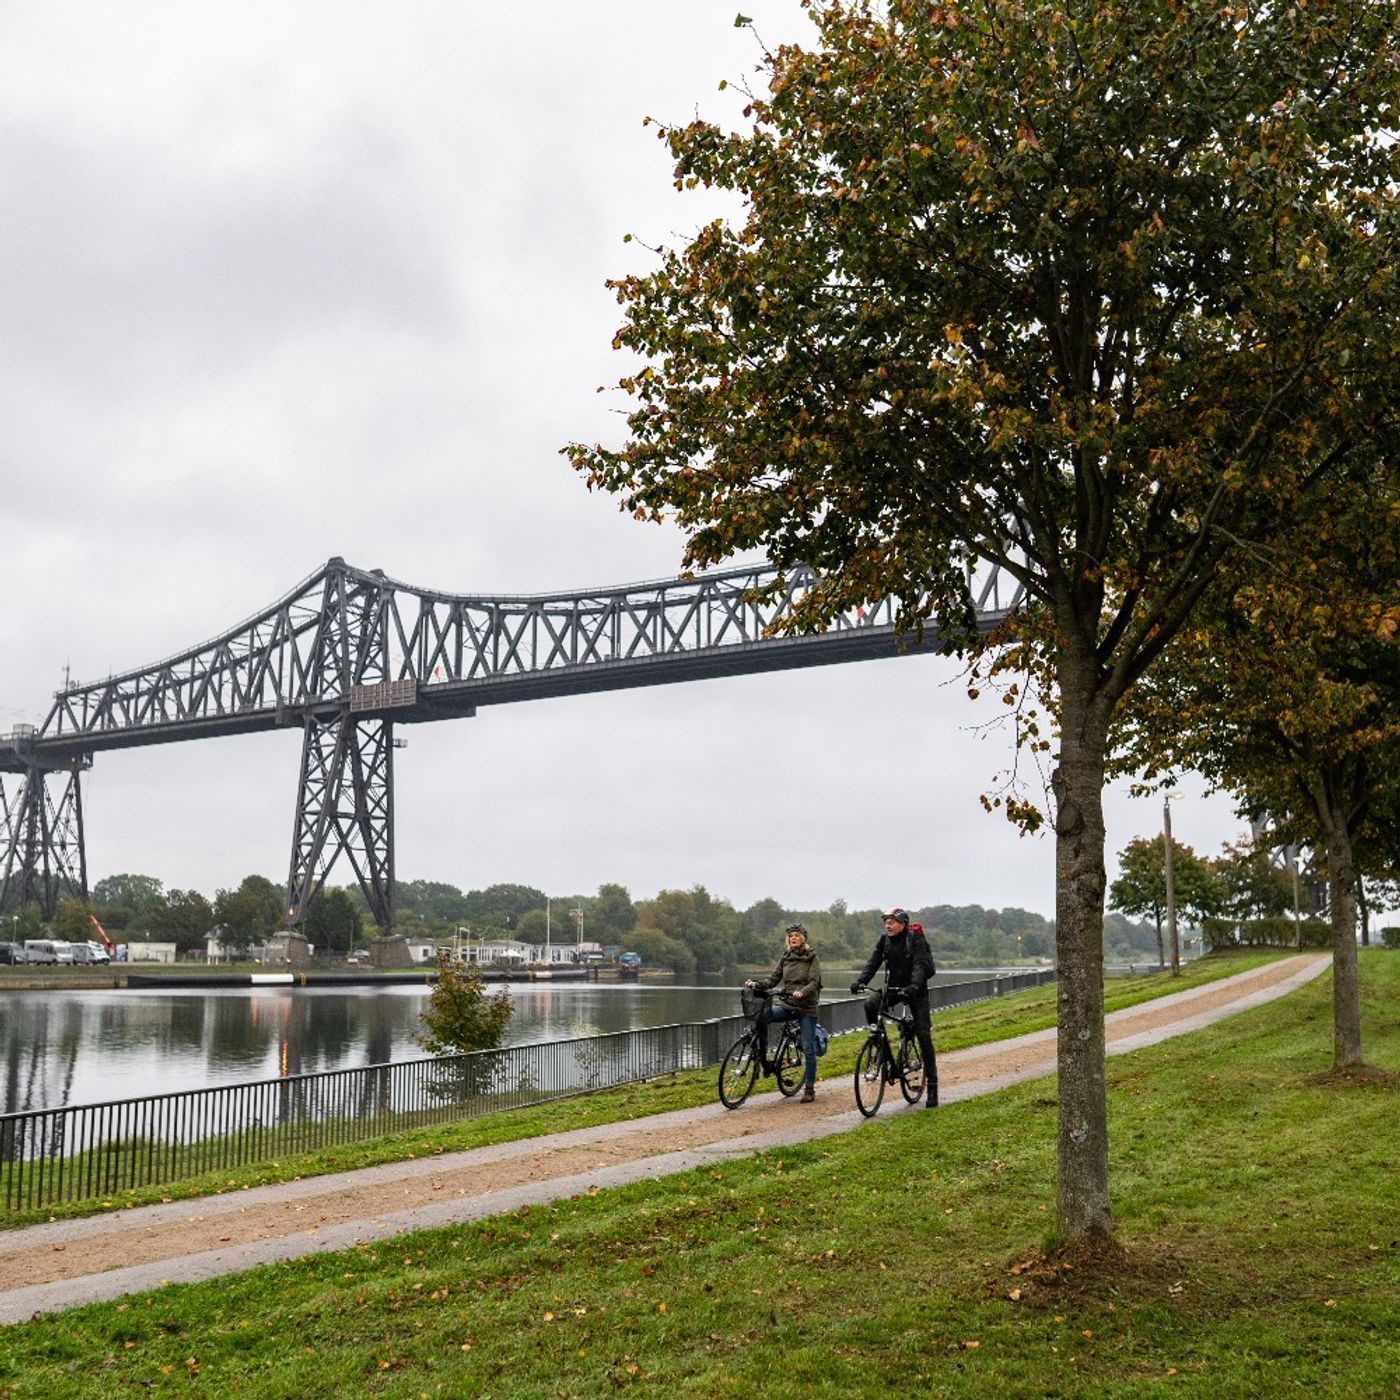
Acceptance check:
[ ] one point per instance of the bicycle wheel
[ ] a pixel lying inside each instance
(789, 1063)
(870, 1076)
(737, 1071)
(910, 1065)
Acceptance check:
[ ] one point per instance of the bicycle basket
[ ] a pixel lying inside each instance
(751, 1002)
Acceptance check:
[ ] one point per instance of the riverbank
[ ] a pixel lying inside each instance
(105, 977)
(1251, 1259)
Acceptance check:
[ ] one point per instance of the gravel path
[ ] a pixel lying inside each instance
(45, 1268)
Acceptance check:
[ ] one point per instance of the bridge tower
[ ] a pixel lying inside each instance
(344, 803)
(41, 829)
(345, 798)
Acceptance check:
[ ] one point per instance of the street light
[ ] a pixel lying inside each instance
(1292, 853)
(1171, 885)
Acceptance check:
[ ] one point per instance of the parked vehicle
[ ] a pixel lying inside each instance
(90, 953)
(11, 953)
(44, 950)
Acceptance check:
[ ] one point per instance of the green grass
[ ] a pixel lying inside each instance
(974, 1024)
(1253, 1195)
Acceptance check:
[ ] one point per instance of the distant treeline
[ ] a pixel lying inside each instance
(685, 930)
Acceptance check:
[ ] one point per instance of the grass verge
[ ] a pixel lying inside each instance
(976, 1023)
(1254, 1201)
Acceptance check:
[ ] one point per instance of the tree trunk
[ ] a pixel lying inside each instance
(1161, 946)
(1079, 907)
(1341, 889)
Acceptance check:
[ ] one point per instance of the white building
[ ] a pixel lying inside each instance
(494, 952)
(567, 954)
(151, 952)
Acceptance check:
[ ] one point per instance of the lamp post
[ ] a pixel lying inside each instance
(1171, 885)
(1292, 853)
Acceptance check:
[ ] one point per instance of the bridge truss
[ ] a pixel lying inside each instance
(350, 654)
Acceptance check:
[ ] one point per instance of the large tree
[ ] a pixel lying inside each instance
(138, 894)
(332, 921)
(1093, 292)
(1141, 886)
(183, 917)
(249, 914)
(1286, 691)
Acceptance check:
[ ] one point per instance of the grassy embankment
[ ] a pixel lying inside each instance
(1254, 1196)
(973, 1024)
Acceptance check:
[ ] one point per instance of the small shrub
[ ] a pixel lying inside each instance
(1390, 937)
(459, 1015)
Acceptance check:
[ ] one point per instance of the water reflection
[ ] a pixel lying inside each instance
(61, 1048)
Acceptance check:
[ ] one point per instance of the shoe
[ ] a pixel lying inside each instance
(808, 1093)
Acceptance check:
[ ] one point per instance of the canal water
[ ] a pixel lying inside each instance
(59, 1048)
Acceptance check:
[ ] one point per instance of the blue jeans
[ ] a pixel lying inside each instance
(808, 1031)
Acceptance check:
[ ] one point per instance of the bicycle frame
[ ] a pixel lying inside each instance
(879, 1063)
(742, 1062)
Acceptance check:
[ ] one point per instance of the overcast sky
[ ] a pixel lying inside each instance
(285, 282)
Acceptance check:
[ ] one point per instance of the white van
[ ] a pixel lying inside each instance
(45, 950)
(90, 953)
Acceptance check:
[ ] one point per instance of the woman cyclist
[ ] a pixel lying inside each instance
(797, 982)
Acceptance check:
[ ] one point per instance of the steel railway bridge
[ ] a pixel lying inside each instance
(349, 654)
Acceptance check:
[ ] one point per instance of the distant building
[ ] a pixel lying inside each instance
(493, 952)
(151, 952)
(215, 950)
(567, 954)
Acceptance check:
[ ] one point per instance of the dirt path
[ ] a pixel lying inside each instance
(47, 1267)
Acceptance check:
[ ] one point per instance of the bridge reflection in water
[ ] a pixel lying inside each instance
(58, 1049)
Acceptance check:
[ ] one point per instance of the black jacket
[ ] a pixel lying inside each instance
(907, 957)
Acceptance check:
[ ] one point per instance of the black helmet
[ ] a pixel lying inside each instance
(898, 915)
(796, 928)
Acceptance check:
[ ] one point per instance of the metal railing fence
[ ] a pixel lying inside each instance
(95, 1151)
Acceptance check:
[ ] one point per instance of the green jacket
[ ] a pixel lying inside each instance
(798, 978)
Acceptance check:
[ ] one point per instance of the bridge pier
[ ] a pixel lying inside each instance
(345, 803)
(41, 835)
(390, 950)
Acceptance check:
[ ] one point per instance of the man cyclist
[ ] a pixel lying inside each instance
(798, 977)
(905, 952)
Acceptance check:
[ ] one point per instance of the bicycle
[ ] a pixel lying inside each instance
(738, 1071)
(877, 1064)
